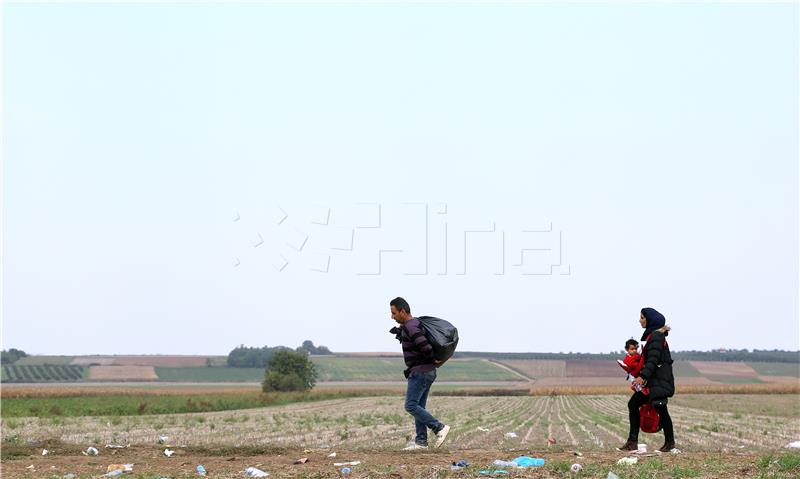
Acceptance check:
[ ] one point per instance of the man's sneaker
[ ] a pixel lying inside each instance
(415, 447)
(629, 446)
(441, 436)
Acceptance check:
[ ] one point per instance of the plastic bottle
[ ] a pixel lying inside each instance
(345, 470)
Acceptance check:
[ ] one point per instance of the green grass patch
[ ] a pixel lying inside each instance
(685, 369)
(132, 405)
(359, 369)
(776, 369)
(391, 369)
(779, 465)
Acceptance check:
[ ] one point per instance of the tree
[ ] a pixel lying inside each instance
(308, 346)
(289, 371)
(244, 357)
(11, 356)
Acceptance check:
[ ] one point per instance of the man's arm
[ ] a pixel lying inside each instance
(417, 336)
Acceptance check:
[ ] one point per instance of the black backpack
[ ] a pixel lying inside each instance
(442, 335)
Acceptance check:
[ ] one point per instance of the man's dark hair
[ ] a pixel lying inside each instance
(631, 342)
(400, 304)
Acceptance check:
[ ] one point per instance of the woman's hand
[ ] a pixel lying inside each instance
(638, 381)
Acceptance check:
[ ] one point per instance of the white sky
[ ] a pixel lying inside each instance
(653, 148)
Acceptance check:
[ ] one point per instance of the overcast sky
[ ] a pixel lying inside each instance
(182, 179)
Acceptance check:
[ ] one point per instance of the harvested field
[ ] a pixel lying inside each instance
(122, 373)
(538, 368)
(155, 360)
(720, 368)
(93, 360)
(724, 436)
(162, 361)
(589, 368)
(612, 381)
(589, 422)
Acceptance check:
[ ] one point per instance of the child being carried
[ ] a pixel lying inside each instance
(632, 364)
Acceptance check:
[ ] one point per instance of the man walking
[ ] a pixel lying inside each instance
(420, 372)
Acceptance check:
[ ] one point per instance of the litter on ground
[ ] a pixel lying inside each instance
(91, 451)
(255, 472)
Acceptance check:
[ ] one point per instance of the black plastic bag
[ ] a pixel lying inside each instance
(442, 335)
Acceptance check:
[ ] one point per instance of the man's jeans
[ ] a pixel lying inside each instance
(419, 385)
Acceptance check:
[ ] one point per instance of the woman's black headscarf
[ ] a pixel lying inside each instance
(655, 320)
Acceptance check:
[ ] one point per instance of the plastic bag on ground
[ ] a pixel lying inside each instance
(525, 461)
(255, 472)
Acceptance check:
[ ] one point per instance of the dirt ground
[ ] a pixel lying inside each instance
(230, 462)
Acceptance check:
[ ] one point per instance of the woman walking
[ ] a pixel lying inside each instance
(656, 374)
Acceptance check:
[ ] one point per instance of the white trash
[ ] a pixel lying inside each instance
(254, 472)
(168, 452)
(628, 461)
(511, 435)
(794, 445)
(91, 451)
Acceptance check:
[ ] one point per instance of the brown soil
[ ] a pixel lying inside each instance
(230, 462)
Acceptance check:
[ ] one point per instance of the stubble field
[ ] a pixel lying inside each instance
(719, 436)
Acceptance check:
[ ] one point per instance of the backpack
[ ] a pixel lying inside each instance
(649, 420)
(442, 336)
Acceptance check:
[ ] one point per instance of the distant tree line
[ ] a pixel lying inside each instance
(11, 356)
(756, 355)
(253, 357)
(311, 349)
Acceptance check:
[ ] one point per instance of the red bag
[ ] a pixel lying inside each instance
(649, 421)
